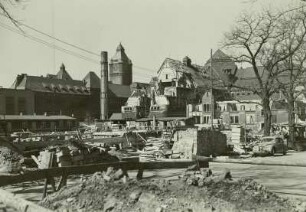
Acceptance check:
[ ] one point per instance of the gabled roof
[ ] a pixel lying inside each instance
(223, 69)
(120, 56)
(63, 74)
(92, 80)
(220, 56)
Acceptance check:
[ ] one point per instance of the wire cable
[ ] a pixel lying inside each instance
(49, 44)
(66, 43)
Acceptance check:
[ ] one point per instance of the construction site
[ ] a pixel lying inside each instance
(226, 135)
(154, 159)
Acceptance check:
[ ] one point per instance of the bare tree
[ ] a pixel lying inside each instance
(293, 76)
(259, 40)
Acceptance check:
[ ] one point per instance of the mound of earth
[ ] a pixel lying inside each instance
(96, 194)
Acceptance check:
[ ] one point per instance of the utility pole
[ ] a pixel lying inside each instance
(211, 93)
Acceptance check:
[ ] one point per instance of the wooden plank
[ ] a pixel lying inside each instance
(33, 175)
(92, 168)
(20, 204)
(35, 160)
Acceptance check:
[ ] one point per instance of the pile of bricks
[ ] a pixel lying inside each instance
(200, 177)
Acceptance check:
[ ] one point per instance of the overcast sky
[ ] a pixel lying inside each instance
(150, 31)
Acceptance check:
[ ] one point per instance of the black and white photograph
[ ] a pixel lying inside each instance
(153, 105)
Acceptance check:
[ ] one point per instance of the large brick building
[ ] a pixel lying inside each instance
(59, 94)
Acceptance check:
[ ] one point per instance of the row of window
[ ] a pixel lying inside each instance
(234, 119)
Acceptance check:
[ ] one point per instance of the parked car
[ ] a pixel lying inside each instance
(271, 145)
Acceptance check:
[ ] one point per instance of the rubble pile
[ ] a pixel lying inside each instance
(102, 192)
(155, 148)
(74, 154)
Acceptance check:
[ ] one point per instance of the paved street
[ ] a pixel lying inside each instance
(285, 180)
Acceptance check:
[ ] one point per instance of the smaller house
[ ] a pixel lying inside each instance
(137, 105)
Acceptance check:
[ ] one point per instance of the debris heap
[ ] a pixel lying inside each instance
(194, 191)
(156, 148)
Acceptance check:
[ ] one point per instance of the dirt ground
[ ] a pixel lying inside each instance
(216, 194)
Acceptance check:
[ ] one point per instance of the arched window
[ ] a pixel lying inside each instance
(242, 107)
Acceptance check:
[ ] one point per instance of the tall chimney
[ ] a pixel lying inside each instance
(104, 86)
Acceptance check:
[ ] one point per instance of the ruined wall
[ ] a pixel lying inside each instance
(185, 142)
(204, 143)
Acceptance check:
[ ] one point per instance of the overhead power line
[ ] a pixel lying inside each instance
(63, 42)
(38, 40)
(59, 40)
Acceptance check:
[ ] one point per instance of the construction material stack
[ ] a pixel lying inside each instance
(237, 138)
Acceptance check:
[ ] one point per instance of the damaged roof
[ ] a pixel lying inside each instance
(194, 71)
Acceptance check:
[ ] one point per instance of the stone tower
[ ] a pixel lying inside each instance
(120, 68)
(104, 87)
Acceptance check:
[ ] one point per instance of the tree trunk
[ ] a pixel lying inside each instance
(267, 116)
(291, 123)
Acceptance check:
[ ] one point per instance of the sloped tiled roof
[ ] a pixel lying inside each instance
(45, 84)
(246, 77)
